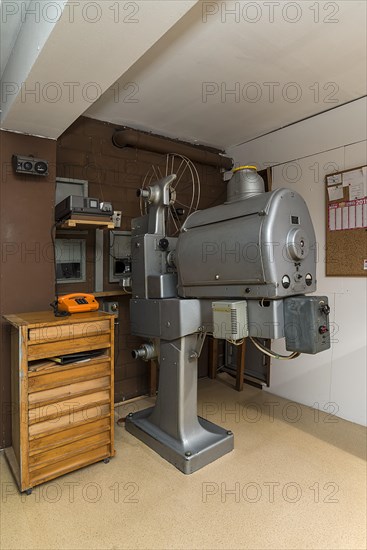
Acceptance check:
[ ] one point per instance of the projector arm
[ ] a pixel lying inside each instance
(158, 198)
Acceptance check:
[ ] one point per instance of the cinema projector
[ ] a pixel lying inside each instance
(237, 270)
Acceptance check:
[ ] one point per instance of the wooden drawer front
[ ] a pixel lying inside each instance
(57, 410)
(60, 438)
(67, 332)
(58, 454)
(63, 347)
(72, 419)
(57, 395)
(64, 376)
(68, 465)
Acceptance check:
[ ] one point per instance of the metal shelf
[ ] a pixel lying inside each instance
(106, 294)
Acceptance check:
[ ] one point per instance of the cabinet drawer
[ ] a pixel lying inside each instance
(63, 347)
(63, 437)
(70, 420)
(62, 376)
(55, 411)
(66, 332)
(65, 452)
(58, 394)
(59, 468)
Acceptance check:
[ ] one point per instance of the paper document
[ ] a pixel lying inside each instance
(356, 182)
(352, 216)
(332, 180)
(359, 215)
(345, 216)
(338, 219)
(348, 215)
(335, 193)
(332, 219)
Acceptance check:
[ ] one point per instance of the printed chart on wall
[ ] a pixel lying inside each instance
(346, 231)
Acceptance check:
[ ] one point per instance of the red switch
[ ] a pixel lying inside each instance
(323, 329)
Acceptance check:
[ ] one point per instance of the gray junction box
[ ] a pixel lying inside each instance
(306, 324)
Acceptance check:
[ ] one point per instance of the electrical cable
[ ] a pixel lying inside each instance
(235, 342)
(271, 354)
(54, 304)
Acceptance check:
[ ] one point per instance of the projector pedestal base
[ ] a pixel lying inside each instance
(172, 428)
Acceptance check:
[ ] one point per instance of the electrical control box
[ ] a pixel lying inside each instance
(120, 256)
(306, 324)
(230, 320)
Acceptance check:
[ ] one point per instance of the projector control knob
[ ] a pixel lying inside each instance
(163, 244)
(297, 245)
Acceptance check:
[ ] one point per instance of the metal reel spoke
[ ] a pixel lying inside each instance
(177, 226)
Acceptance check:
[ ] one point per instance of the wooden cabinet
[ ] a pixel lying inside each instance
(62, 414)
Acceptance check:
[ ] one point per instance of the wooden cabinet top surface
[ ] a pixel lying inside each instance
(40, 318)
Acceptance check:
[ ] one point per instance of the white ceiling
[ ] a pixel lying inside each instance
(171, 53)
(65, 56)
(11, 20)
(326, 60)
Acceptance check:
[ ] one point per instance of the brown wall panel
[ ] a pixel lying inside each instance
(26, 266)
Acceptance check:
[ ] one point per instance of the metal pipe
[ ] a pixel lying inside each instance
(145, 352)
(156, 144)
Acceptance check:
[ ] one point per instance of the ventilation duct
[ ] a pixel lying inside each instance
(156, 144)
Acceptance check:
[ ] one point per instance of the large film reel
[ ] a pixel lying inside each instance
(184, 192)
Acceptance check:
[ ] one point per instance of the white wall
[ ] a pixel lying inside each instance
(302, 154)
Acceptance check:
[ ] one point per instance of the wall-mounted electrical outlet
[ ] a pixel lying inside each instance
(116, 218)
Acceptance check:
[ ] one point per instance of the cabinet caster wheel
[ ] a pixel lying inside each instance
(106, 460)
(29, 491)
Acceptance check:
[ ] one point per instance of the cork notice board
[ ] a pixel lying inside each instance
(346, 229)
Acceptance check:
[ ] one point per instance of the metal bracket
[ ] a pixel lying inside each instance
(159, 200)
(195, 353)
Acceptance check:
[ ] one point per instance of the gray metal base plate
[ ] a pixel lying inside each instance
(204, 447)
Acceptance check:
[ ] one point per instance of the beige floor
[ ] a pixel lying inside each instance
(295, 480)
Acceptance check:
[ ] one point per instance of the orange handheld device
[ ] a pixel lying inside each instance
(77, 303)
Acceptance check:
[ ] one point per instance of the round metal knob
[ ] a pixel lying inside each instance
(163, 244)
